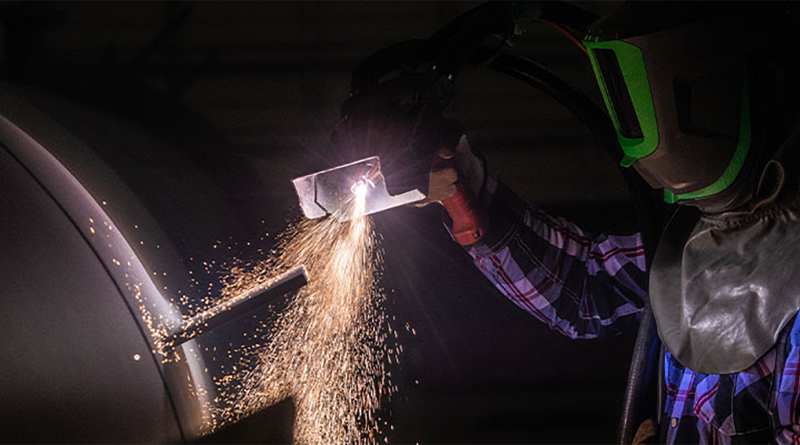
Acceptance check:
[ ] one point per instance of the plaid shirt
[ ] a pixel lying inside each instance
(587, 287)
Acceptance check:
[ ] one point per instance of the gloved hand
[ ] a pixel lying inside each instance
(387, 121)
(454, 165)
(647, 433)
(456, 181)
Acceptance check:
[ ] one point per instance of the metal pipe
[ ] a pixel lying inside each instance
(239, 305)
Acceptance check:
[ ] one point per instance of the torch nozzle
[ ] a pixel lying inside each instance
(327, 192)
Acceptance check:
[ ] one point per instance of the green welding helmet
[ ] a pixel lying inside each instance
(678, 81)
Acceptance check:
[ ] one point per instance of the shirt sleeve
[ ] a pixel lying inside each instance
(581, 286)
(787, 423)
(788, 435)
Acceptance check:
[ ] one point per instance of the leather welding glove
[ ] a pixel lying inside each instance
(646, 434)
(455, 163)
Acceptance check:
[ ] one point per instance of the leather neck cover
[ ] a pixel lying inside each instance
(723, 287)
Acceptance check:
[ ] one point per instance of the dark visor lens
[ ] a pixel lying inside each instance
(618, 94)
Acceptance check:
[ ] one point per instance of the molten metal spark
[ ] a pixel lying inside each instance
(327, 349)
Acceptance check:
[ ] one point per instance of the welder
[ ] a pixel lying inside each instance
(703, 108)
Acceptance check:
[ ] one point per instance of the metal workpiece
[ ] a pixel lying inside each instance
(28, 137)
(331, 192)
(239, 305)
(72, 352)
(84, 314)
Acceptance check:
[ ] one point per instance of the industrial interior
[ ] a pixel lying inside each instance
(148, 157)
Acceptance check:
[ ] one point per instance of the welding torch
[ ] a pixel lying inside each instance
(394, 120)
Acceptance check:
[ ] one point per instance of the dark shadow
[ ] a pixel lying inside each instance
(270, 425)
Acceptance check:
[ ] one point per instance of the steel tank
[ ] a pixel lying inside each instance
(95, 214)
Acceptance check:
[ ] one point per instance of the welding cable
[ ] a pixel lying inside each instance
(569, 35)
(642, 397)
(449, 47)
(642, 393)
(568, 19)
(597, 121)
(466, 32)
(452, 45)
(643, 374)
(544, 80)
(402, 55)
(568, 15)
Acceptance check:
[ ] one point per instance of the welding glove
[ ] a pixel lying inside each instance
(455, 163)
(456, 181)
(647, 433)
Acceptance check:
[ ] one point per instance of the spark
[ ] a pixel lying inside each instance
(327, 350)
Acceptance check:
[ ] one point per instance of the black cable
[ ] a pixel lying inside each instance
(397, 56)
(540, 77)
(642, 377)
(544, 80)
(641, 394)
(568, 15)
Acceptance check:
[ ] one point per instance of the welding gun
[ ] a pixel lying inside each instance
(393, 122)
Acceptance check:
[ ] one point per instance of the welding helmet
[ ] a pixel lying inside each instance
(681, 87)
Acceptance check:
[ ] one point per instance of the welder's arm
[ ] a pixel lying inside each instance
(580, 285)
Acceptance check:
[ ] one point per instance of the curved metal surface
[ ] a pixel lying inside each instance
(72, 353)
(102, 210)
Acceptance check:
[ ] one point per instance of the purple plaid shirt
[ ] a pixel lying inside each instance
(587, 287)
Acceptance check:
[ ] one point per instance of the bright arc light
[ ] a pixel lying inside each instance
(360, 189)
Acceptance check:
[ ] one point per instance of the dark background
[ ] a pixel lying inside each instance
(265, 80)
